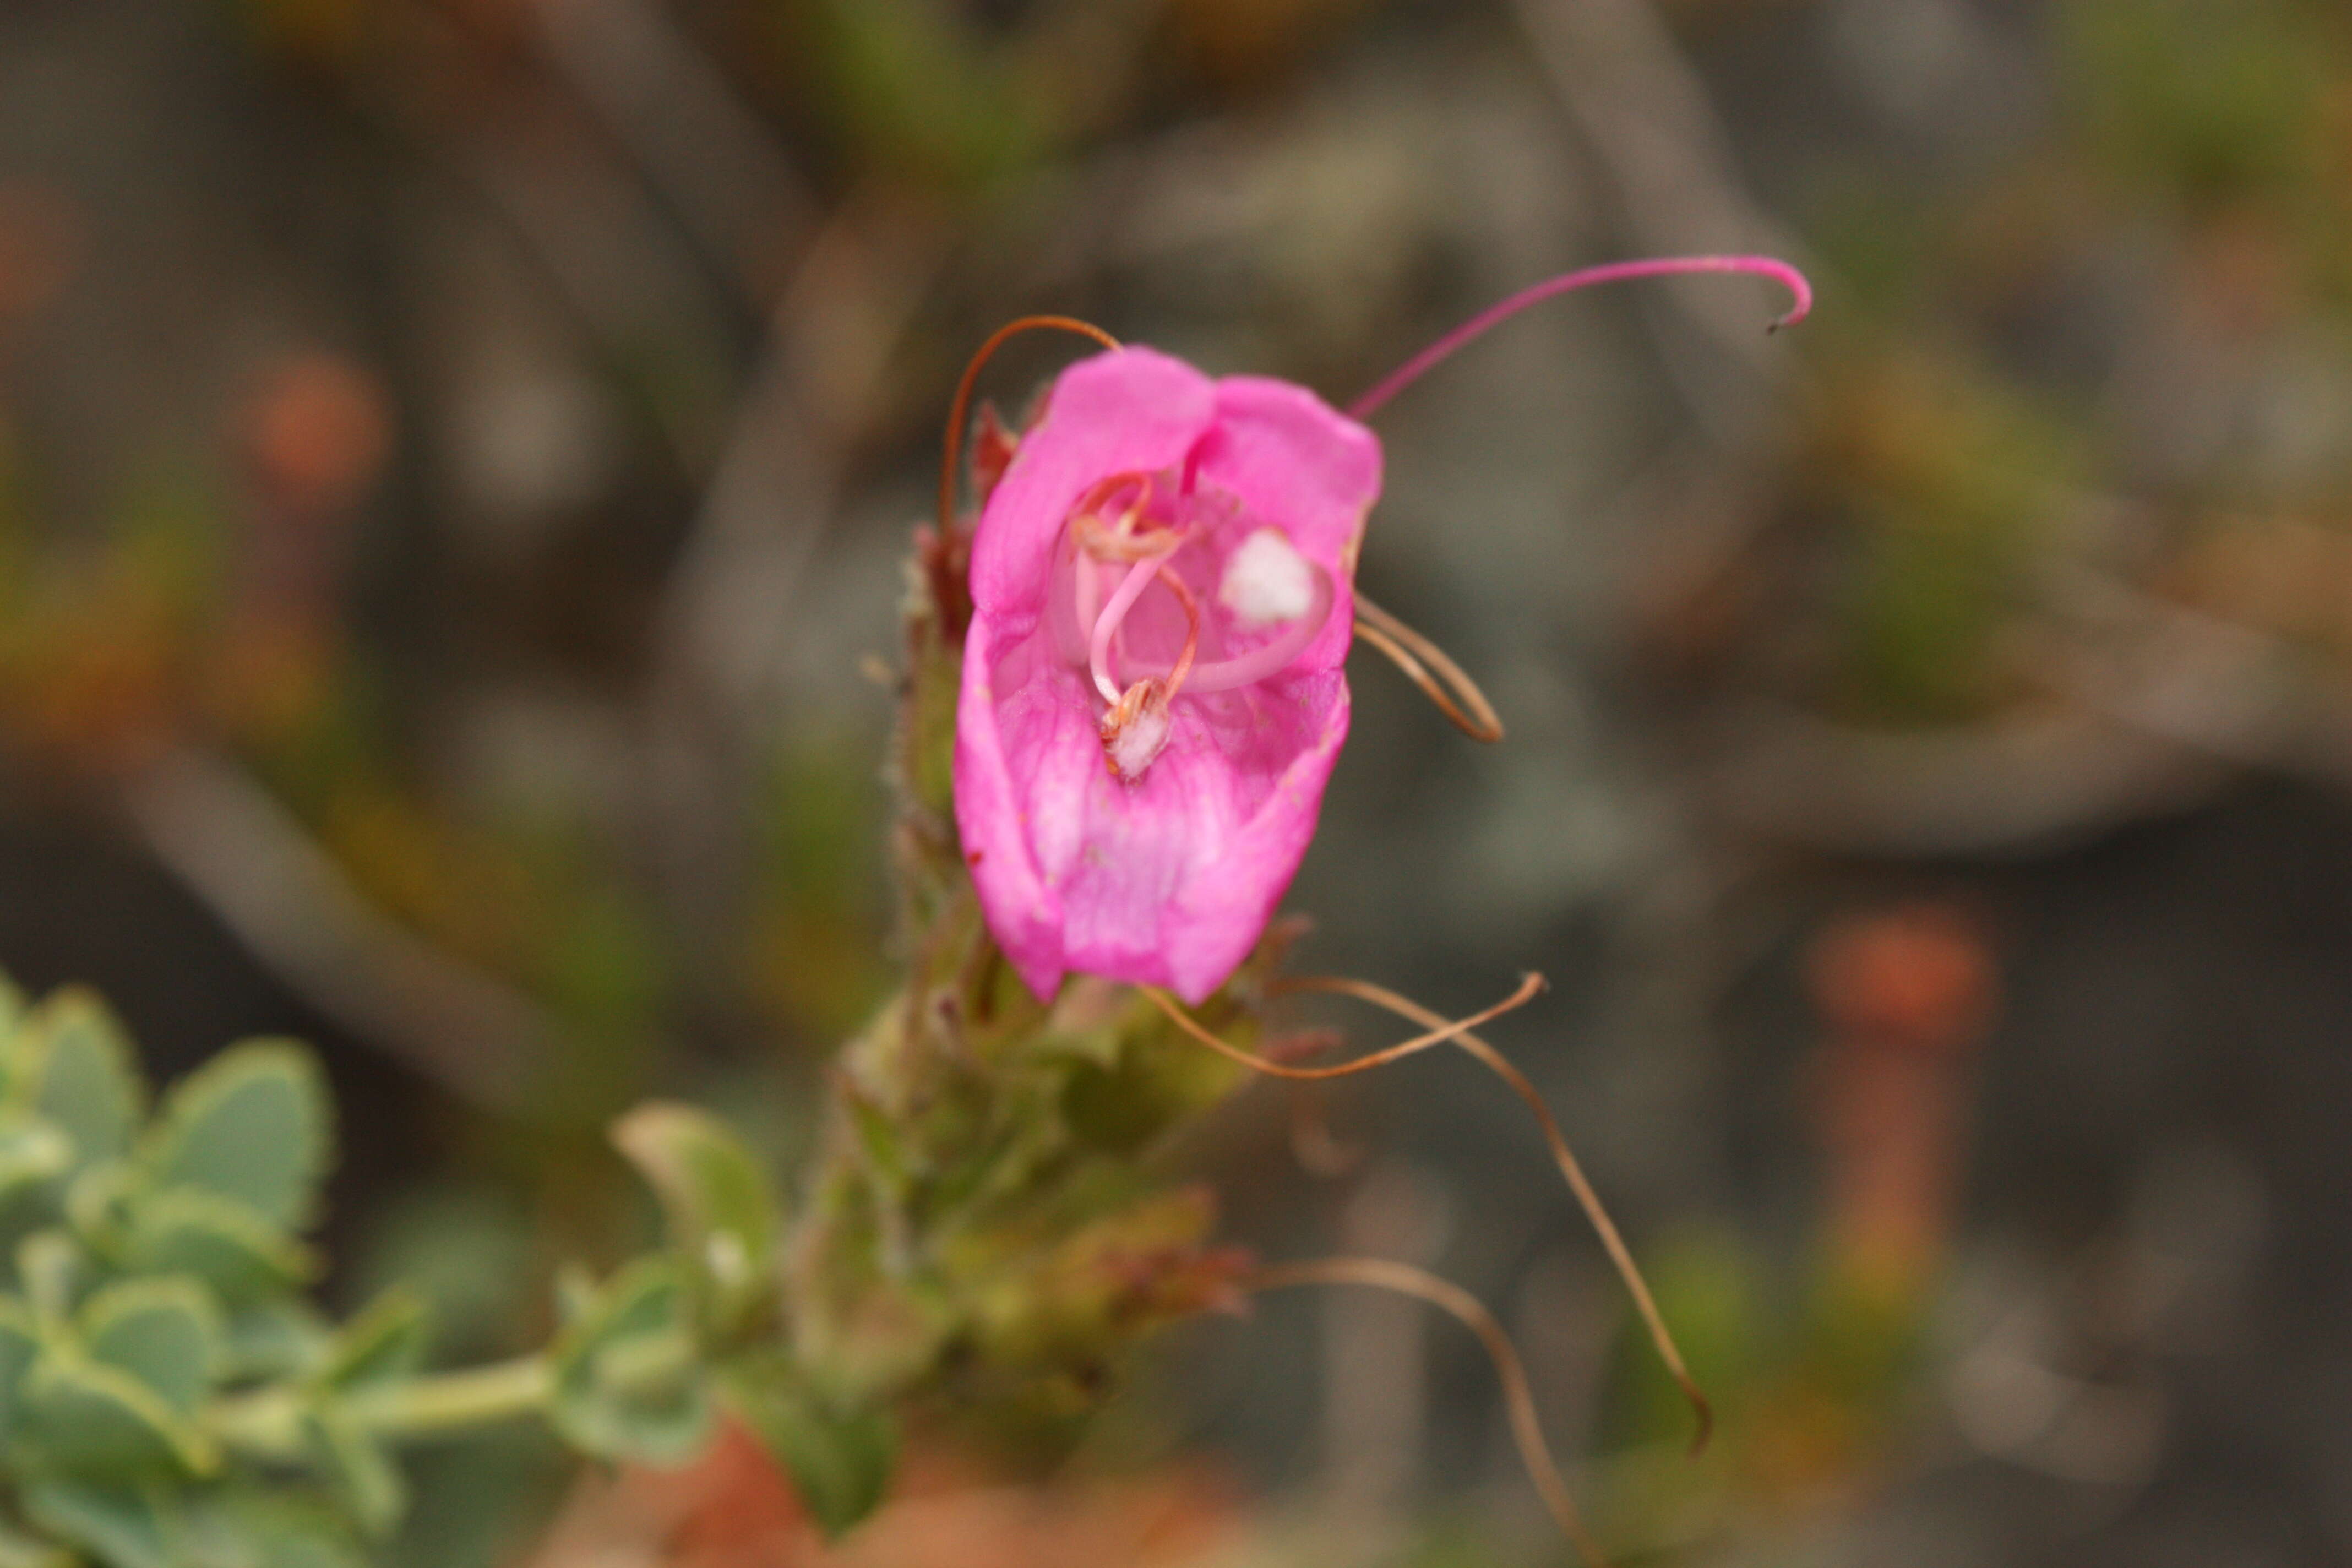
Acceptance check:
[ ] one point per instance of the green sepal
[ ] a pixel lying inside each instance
(254, 1124)
(81, 1074)
(717, 1201)
(840, 1459)
(164, 1332)
(237, 1252)
(628, 1381)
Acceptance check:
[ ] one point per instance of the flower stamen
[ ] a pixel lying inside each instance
(960, 406)
(1518, 1399)
(1562, 1156)
(1426, 666)
(1440, 1031)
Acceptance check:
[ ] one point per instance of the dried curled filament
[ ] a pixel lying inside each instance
(1440, 1032)
(1458, 1031)
(1426, 666)
(1527, 1432)
(959, 408)
(1562, 1156)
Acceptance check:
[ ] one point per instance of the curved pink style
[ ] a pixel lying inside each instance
(1149, 840)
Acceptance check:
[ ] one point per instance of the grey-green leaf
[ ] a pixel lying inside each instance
(86, 1419)
(236, 1252)
(166, 1332)
(628, 1382)
(122, 1526)
(254, 1124)
(840, 1460)
(716, 1196)
(82, 1074)
(33, 1150)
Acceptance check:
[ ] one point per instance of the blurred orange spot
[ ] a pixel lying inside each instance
(1906, 992)
(318, 432)
(1921, 975)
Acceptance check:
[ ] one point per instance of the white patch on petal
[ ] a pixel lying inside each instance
(1267, 582)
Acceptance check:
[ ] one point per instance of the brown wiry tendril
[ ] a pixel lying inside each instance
(1526, 1431)
(1586, 1198)
(1440, 1031)
(1426, 666)
(959, 407)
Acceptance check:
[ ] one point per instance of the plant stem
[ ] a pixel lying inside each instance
(455, 1401)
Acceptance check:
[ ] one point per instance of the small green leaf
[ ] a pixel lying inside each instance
(32, 1151)
(840, 1460)
(384, 1342)
(166, 1332)
(359, 1470)
(220, 1241)
(628, 1382)
(253, 1124)
(83, 1075)
(122, 1526)
(90, 1420)
(717, 1198)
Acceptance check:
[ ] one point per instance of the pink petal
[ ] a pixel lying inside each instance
(1131, 411)
(1292, 460)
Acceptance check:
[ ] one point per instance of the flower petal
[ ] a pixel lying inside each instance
(1133, 410)
(1291, 459)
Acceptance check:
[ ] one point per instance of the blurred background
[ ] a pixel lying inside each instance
(454, 457)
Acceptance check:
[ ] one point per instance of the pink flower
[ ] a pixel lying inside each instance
(1162, 597)
(1161, 589)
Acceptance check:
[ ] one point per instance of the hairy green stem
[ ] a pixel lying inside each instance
(455, 1401)
(268, 1424)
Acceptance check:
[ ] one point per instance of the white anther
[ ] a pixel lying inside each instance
(1267, 582)
(1135, 732)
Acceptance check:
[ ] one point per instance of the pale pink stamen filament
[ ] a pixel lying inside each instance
(1419, 365)
(1262, 663)
(1122, 599)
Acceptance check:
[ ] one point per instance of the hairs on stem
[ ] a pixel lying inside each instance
(1527, 1432)
(959, 409)
(1562, 1156)
(1493, 316)
(1426, 666)
(1440, 1031)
